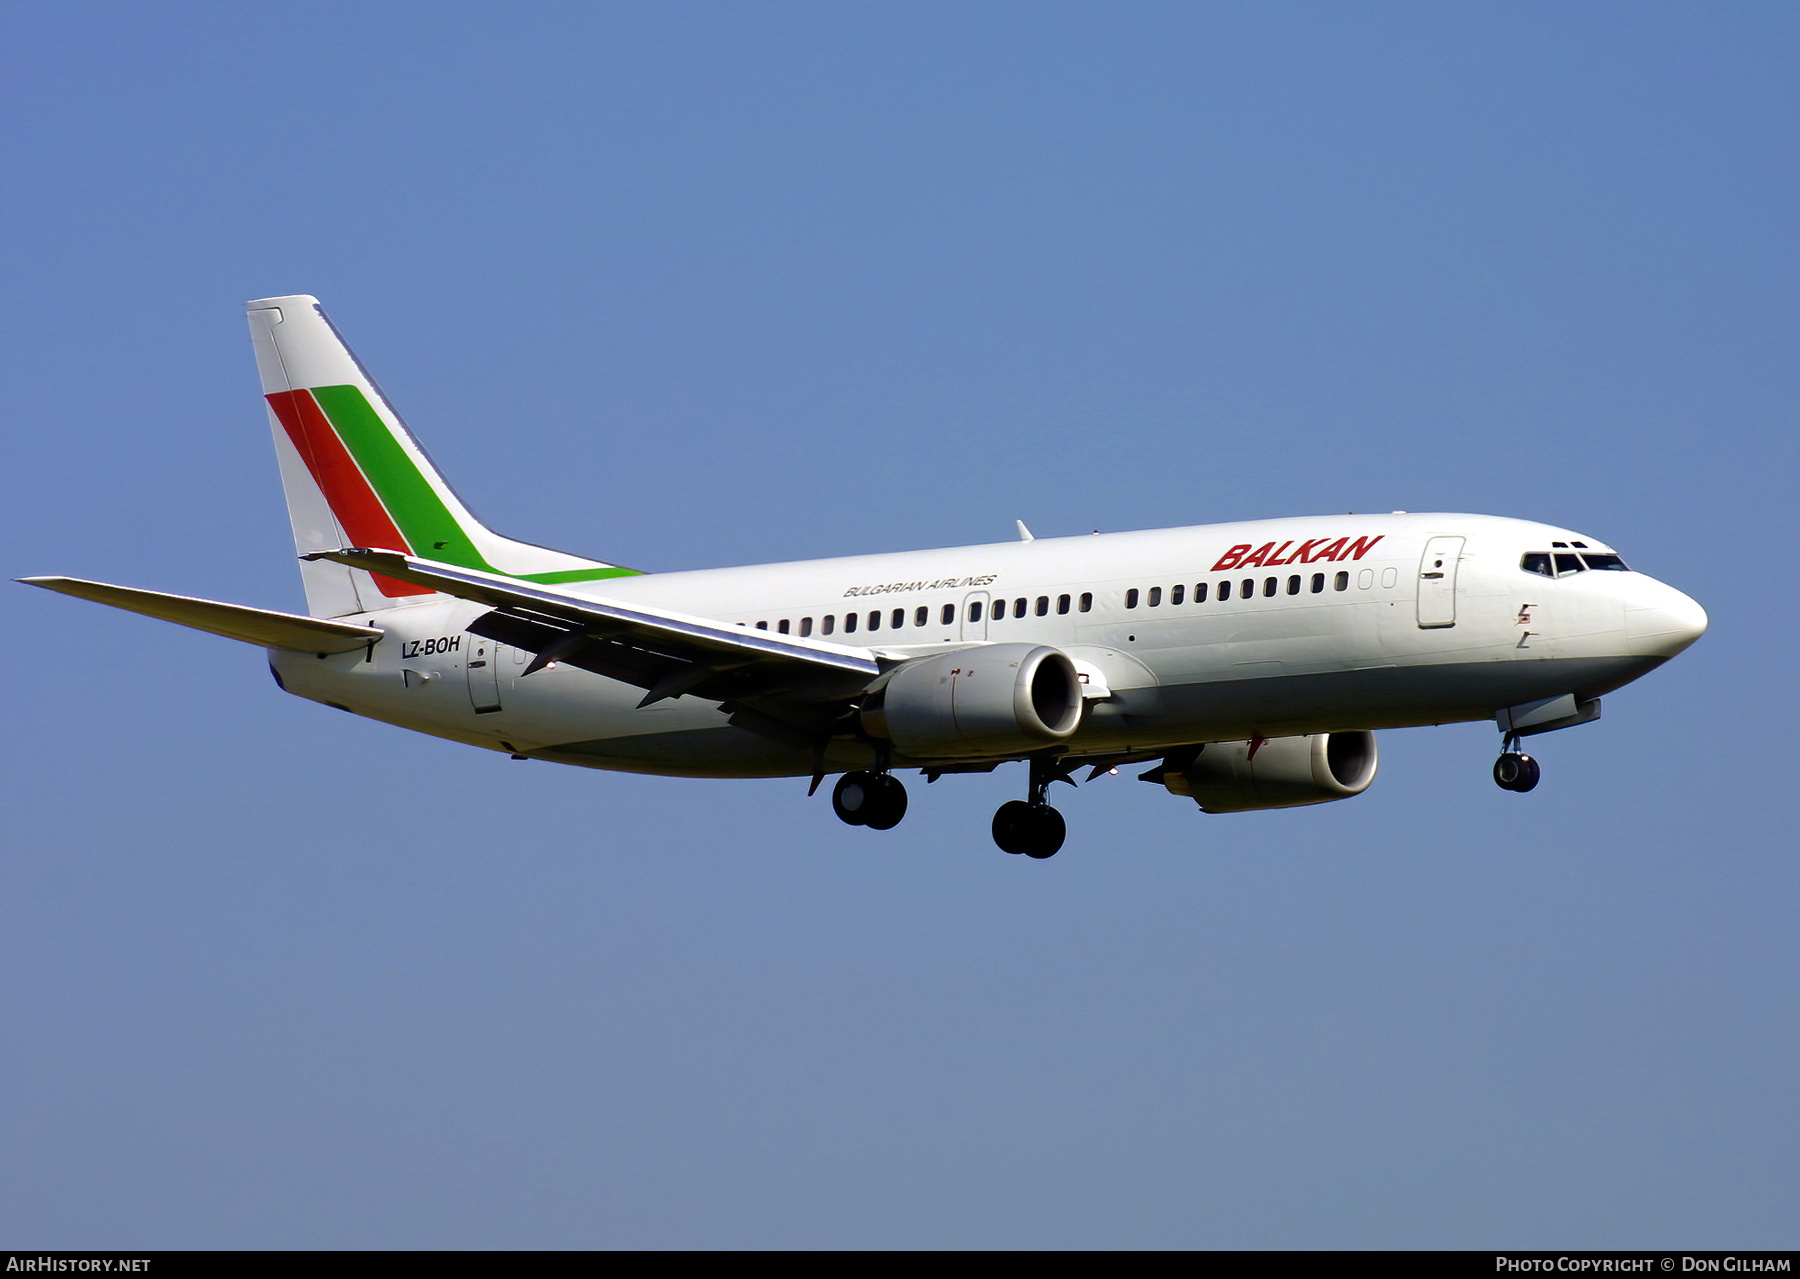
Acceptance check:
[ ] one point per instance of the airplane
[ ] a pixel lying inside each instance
(1248, 664)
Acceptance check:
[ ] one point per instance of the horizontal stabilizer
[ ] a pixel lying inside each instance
(258, 626)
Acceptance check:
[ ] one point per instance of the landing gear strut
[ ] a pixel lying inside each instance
(867, 798)
(1515, 770)
(1031, 826)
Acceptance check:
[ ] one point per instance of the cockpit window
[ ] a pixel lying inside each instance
(1562, 563)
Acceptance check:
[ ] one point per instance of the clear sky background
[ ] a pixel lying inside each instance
(688, 285)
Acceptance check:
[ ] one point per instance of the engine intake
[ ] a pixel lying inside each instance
(1284, 772)
(991, 700)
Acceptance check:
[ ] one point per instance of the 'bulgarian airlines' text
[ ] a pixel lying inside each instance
(942, 584)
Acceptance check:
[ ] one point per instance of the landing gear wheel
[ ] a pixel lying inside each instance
(850, 798)
(1050, 833)
(1011, 821)
(1516, 771)
(875, 800)
(886, 802)
(1036, 830)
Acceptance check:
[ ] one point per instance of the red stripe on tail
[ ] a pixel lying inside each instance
(364, 519)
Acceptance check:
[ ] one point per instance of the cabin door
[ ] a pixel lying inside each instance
(483, 666)
(1437, 582)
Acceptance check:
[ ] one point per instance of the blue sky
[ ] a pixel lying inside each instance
(685, 285)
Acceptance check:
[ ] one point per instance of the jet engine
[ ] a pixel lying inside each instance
(1280, 772)
(991, 700)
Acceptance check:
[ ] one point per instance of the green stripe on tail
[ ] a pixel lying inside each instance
(408, 496)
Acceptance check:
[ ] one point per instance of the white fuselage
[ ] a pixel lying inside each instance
(1346, 625)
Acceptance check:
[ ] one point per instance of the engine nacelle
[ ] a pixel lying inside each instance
(996, 699)
(1285, 772)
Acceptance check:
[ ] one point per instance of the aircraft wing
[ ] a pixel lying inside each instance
(258, 626)
(666, 653)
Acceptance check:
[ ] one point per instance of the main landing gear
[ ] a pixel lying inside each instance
(1515, 770)
(1037, 830)
(867, 798)
(873, 797)
(1031, 826)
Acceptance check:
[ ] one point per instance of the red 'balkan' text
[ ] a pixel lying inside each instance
(1269, 555)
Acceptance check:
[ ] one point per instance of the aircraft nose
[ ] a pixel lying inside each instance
(1663, 623)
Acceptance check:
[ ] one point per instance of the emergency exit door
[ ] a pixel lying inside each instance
(1437, 582)
(975, 616)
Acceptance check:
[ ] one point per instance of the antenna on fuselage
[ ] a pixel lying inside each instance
(1024, 533)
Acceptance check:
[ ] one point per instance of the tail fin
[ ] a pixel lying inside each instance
(355, 476)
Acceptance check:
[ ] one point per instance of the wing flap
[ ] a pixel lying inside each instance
(262, 627)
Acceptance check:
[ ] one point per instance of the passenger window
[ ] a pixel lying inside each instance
(1389, 576)
(1087, 602)
(762, 626)
(949, 617)
(805, 627)
(1155, 596)
(1318, 583)
(1567, 564)
(1062, 604)
(782, 626)
(1294, 584)
(1537, 562)
(1131, 598)
(1269, 585)
(899, 619)
(1224, 590)
(1342, 583)
(1019, 607)
(1177, 594)
(829, 622)
(1200, 592)
(849, 623)
(1603, 561)
(1043, 606)
(874, 619)
(974, 610)
(1365, 579)
(1247, 588)
(921, 615)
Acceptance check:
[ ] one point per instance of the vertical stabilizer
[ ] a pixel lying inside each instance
(355, 476)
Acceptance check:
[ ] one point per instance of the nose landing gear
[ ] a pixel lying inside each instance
(866, 798)
(1515, 770)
